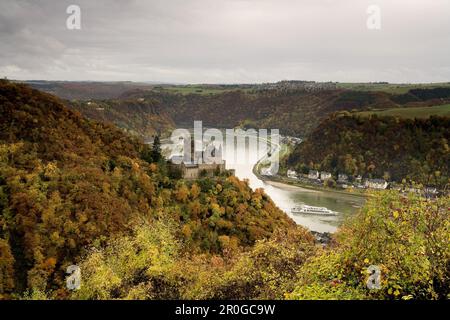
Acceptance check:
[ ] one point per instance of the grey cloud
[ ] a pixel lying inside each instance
(226, 41)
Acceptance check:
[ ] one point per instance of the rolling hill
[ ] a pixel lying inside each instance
(379, 147)
(293, 112)
(68, 183)
(138, 117)
(146, 109)
(411, 112)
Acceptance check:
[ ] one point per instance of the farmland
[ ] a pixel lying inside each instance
(411, 113)
(393, 88)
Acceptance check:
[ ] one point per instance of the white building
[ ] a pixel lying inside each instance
(376, 184)
(325, 175)
(342, 178)
(292, 174)
(430, 190)
(313, 174)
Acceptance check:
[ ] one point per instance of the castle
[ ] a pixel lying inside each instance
(197, 168)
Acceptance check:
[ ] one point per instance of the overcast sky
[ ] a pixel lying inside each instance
(226, 41)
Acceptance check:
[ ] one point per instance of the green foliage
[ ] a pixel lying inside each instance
(322, 291)
(375, 147)
(294, 113)
(6, 268)
(156, 150)
(226, 206)
(130, 267)
(150, 265)
(68, 183)
(73, 191)
(407, 237)
(411, 113)
(330, 183)
(35, 294)
(152, 154)
(136, 117)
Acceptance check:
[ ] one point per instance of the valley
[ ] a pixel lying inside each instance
(217, 159)
(78, 185)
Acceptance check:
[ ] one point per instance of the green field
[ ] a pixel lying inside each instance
(208, 89)
(200, 89)
(411, 113)
(391, 87)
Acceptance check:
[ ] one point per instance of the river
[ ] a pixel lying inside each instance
(286, 197)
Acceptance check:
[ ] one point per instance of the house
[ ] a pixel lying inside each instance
(313, 174)
(342, 178)
(292, 174)
(325, 175)
(430, 191)
(376, 184)
(413, 190)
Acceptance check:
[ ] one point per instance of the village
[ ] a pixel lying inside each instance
(307, 86)
(345, 182)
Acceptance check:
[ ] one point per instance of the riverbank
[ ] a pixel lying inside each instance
(287, 195)
(287, 186)
(285, 182)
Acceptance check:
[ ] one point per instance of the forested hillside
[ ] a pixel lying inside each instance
(293, 112)
(74, 191)
(138, 117)
(67, 184)
(389, 147)
(145, 109)
(87, 90)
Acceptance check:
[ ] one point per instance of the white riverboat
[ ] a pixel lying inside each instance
(320, 211)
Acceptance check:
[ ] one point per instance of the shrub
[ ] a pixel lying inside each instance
(406, 236)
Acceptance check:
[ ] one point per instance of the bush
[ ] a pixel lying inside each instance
(407, 237)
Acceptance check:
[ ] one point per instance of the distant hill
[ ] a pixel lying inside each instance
(86, 90)
(132, 106)
(49, 128)
(389, 147)
(294, 112)
(138, 117)
(97, 101)
(392, 88)
(411, 112)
